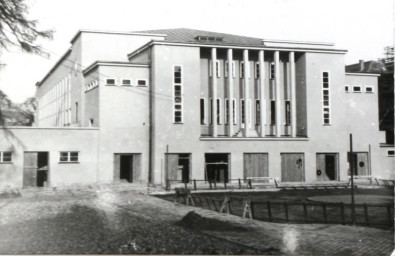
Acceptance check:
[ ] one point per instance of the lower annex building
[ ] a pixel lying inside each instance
(185, 104)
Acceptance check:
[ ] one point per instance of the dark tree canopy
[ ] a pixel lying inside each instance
(16, 29)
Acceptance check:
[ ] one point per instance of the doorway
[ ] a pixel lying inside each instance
(217, 167)
(35, 169)
(327, 166)
(178, 167)
(292, 167)
(360, 163)
(256, 165)
(127, 167)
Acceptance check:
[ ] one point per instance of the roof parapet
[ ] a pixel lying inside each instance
(296, 44)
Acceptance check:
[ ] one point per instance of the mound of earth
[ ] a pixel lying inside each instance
(194, 221)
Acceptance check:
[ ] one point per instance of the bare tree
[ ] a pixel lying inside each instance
(16, 29)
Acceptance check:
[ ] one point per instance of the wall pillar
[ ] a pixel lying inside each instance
(246, 92)
(230, 92)
(214, 91)
(262, 94)
(293, 93)
(278, 89)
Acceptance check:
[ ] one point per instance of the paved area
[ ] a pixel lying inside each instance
(110, 221)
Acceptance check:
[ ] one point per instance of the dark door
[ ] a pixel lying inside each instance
(30, 169)
(126, 168)
(217, 167)
(42, 169)
(330, 166)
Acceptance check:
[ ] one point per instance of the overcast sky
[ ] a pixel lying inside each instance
(362, 27)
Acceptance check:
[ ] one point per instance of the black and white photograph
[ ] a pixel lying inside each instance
(210, 127)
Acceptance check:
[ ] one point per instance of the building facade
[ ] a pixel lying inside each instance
(184, 104)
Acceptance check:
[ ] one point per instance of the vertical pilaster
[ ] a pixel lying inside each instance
(293, 93)
(262, 110)
(278, 89)
(214, 90)
(246, 92)
(230, 92)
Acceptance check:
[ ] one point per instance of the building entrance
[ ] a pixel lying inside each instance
(217, 167)
(35, 169)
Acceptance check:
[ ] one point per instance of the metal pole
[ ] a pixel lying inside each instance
(352, 182)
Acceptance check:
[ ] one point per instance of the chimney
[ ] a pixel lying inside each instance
(361, 65)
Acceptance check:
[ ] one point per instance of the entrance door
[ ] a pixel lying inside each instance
(217, 167)
(360, 163)
(178, 167)
(292, 167)
(35, 169)
(127, 167)
(326, 166)
(255, 165)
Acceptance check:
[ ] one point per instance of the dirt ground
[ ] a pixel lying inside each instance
(112, 221)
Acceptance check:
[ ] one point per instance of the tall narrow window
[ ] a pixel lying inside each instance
(226, 111)
(258, 112)
(217, 68)
(234, 113)
(219, 112)
(325, 98)
(287, 112)
(202, 111)
(257, 75)
(178, 111)
(226, 68)
(272, 112)
(241, 69)
(272, 71)
(76, 112)
(211, 111)
(242, 111)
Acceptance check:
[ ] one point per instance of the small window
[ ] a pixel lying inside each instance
(177, 74)
(241, 69)
(391, 152)
(68, 157)
(287, 113)
(5, 157)
(257, 75)
(347, 88)
(234, 113)
(111, 81)
(202, 111)
(272, 71)
(369, 89)
(126, 82)
(226, 111)
(272, 112)
(217, 68)
(258, 112)
(243, 112)
(226, 68)
(219, 111)
(142, 82)
(356, 88)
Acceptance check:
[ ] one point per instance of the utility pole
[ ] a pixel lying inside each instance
(352, 182)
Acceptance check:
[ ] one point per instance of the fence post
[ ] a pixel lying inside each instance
(269, 210)
(225, 183)
(305, 212)
(249, 184)
(365, 208)
(342, 213)
(194, 184)
(286, 211)
(167, 184)
(239, 183)
(324, 212)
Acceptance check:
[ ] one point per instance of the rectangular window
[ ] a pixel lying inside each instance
(68, 157)
(272, 71)
(287, 112)
(219, 114)
(258, 112)
(369, 89)
(5, 157)
(391, 152)
(126, 82)
(177, 97)
(241, 69)
(226, 68)
(234, 113)
(242, 105)
(356, 88)
(325, 98)
(111, 81)
(272, 112)
(217, 68)
(347, 88)
(142, 82)
(226, 111)
(257, 70)
(202, 111)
